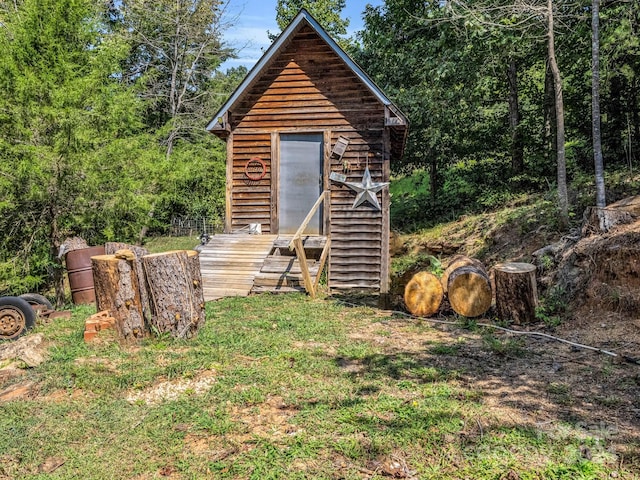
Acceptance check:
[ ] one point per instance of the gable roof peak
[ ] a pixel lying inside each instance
(303, 17)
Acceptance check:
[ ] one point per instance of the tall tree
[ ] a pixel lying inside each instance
(326, 12)
(60, 100)
(177, 46)
(598, 160)
(563, 196)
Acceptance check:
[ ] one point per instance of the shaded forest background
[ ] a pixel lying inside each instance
(104, 106)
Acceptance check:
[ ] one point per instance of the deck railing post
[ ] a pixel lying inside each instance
(296, 243)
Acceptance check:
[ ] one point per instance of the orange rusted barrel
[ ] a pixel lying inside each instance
(80, 274)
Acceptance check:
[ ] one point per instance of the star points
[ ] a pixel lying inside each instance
(366, 190)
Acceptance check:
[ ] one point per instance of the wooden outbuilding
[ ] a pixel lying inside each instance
(307, 127)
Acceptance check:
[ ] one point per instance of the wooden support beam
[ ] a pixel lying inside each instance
(307, 219)
(321, 262)
(304, 266)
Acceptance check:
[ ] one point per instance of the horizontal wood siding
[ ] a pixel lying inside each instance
(308, 88)
(251, 200)
(357, 255)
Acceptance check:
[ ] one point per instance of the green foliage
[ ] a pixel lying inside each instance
(506, 347)
(420, 261)
(62, 99)
(87, 146)
(326, 12)
(446, 69)
(470, 186)
(552, 307)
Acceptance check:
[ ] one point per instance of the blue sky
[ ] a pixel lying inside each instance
(253, 18)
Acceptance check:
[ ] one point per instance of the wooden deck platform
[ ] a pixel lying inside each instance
(229, 263)
(237, 264)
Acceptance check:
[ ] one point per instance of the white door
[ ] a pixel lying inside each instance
(300, 181)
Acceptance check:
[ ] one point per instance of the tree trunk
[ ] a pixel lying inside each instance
(433, 178)
(516, 292)
(469, 291)
(601, 220)
(595, 108)
(175, 290)
(112, 248)
(58, 270)
(469, 288)
(423, 294)
(550, 138)
(563, 196)
(517, 148)
(456, 262)
(116, 286)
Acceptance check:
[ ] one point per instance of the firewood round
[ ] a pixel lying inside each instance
(423, 294)
(458, 261)
(469, 290)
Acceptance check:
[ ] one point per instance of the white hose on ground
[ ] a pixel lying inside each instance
(509, 330)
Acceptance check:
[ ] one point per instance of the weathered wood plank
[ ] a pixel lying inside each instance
(229, 263)
(277, 289)
(308, 241)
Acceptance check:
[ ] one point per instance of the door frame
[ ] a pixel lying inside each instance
(275, 174)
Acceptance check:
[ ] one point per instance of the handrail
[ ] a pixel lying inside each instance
(309, 216)
(296, 243)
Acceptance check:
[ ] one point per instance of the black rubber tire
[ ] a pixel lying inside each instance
(37, 299)
(16, 317)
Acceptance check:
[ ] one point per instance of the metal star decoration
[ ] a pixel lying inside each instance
(365, 190)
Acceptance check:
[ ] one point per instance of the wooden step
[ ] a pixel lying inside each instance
(229, 263)
(279, 264)
(278, 279)
(309, 241)
(277, 289)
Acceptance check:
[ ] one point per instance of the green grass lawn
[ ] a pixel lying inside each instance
(273, 387)
(163, 244)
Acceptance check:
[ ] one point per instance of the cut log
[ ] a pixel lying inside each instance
(175, 292)
(423, 294)
(111, 248)
(469, 289)
(516, 292)
(458, 261)
(116, 286)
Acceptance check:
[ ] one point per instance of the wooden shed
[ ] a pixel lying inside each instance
(307, 127)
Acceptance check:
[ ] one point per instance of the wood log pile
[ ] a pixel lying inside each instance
(471, 291)
(159, 293)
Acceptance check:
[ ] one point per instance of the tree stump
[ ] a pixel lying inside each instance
(468, 287)
(111, 248)
(116, 286)
(423, 294)
(175, 292)
(516, 292)
(601, 220)
(458, 261)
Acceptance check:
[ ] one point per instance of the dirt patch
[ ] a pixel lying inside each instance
(173, 389)
(538, 384)
(270, 418)
(596, 280)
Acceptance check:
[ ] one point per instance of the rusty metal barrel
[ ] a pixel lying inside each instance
(81, 275)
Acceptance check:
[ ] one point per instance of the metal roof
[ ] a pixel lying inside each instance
(302, 18)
